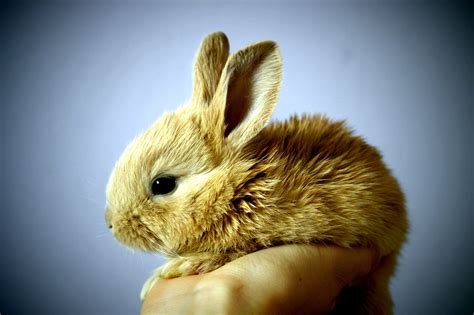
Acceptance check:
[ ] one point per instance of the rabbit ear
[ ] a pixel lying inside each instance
(210, 60)
(248, 91)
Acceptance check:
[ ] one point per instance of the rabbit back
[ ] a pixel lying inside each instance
(326, 186)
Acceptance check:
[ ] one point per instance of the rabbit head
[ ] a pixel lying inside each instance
(174, 182)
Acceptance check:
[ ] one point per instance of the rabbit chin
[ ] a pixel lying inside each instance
(135, 235)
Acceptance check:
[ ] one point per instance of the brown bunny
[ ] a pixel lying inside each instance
(210, 182)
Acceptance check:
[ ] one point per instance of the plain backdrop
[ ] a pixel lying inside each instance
(80, 79)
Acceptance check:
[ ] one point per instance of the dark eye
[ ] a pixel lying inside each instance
(163, 185)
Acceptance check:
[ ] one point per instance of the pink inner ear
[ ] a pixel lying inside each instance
(238, 102)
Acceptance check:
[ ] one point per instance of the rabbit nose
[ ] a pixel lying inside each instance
(108, 218)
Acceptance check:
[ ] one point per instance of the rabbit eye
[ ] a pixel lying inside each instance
(163, 185)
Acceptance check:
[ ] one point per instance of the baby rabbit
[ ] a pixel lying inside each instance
(212, 181)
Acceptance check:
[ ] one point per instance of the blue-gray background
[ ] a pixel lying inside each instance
(80, 80)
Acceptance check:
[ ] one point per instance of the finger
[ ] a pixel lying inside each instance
(170, 296)
(200, 294)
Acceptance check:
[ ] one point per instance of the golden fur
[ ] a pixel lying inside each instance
(243, 186)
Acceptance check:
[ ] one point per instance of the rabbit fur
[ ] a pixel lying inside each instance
(244, 184)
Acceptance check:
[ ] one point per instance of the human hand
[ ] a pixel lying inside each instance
(284, 280)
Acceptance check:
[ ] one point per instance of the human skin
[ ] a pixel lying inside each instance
(291, 279)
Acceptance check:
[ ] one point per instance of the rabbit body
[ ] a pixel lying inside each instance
(242, 186)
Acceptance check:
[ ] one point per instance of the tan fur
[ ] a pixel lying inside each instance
(243, 186)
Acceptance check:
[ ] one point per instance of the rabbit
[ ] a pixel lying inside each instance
(215, 180)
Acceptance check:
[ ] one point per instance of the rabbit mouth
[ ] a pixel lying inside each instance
(133, 233)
